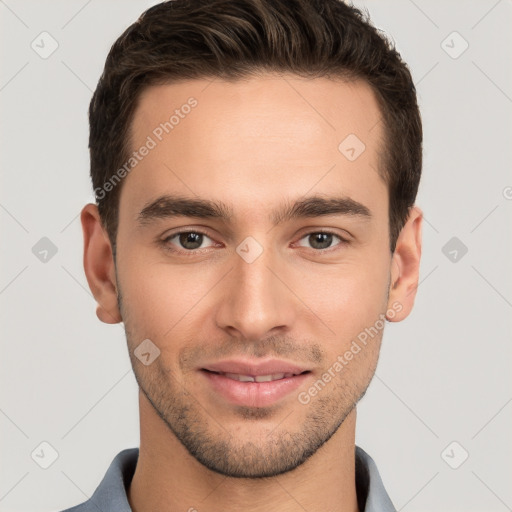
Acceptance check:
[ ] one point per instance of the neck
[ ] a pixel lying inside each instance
(168, 479)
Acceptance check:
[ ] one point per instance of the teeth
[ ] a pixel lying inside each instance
(241, 378)
(268, 378)
(258, 378)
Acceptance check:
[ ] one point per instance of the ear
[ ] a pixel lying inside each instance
(405, 266)
(99, 265)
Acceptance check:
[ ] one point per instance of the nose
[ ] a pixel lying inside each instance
(256, 299)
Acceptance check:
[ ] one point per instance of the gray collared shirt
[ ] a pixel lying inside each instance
(110, 496)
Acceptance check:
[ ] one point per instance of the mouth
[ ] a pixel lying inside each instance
(250, 390)
(257, 378)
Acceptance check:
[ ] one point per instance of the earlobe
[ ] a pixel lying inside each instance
(99, 265)
(405, 266)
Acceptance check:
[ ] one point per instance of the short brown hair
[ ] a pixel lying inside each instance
(232, 39)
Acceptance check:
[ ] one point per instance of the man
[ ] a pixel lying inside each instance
(255, 164)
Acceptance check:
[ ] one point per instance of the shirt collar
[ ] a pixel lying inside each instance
(110, 495)
(371, 494)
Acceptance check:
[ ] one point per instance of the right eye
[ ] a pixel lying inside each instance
(189, 241)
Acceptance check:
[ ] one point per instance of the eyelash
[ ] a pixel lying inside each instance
(193, 252)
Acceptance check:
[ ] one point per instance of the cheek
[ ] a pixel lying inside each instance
(158, 295)
(353, 314)
(347, 296)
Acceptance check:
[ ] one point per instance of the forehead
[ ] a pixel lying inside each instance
(250, 142)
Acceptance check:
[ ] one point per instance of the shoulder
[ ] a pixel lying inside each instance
(110, 495)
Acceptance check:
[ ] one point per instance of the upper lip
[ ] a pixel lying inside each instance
(268, 367)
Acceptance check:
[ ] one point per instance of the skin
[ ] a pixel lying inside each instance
(252, 144)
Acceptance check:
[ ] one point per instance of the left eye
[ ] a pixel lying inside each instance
(322, 240)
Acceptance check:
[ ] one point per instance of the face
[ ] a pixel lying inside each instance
(246, 280)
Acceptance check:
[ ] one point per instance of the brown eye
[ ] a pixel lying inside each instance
(190, 240)
(185, 241)
(322, 240)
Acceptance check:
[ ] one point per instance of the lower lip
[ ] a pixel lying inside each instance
(254, 394)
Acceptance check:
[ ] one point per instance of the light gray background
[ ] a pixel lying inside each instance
(443, 374)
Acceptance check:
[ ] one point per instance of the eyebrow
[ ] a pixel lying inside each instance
(171, 206)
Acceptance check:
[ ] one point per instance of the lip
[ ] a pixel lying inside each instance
(268, 367)
(254, 394)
